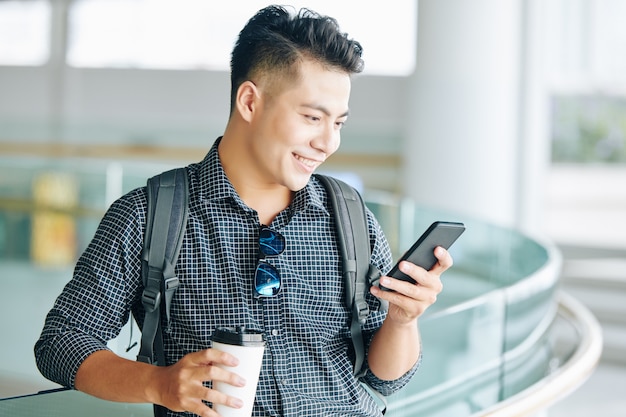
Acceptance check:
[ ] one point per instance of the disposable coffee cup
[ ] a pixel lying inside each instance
(247, 346)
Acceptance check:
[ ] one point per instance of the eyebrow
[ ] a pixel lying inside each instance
(325, 110)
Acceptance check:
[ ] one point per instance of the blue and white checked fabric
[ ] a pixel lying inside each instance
(306, 368)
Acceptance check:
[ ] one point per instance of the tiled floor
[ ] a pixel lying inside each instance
(602, 395)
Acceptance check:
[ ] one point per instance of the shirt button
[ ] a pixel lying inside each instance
(275, 332)
(284, 382)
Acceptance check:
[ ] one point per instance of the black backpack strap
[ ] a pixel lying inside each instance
(354, 245)
(166, 220)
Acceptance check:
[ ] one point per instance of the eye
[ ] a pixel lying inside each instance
(313, 118)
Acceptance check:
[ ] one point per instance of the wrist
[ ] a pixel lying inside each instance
(400, 325)
(153, 388)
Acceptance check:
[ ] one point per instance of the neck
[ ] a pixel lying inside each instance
(267, 199)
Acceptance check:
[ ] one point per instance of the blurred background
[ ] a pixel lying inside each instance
(507, 112)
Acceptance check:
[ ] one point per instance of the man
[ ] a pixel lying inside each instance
(289, 100)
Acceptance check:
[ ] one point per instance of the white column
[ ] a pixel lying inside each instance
(462, 149)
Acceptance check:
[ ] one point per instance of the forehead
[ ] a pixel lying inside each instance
(315, 80)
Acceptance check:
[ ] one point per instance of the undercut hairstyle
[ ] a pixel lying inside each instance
(275, 41)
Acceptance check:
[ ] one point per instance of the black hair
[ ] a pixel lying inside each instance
(275, 40)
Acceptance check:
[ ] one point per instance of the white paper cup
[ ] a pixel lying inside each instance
(248, 347)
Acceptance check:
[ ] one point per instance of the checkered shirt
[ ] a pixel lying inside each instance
(306, 368)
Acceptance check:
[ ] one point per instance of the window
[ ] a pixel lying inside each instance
(589, 129)
(587, 68)
(199, 34)
(25, 32)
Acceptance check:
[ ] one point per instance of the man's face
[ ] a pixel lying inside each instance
(298, 127)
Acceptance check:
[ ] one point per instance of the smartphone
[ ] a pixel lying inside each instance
(439, 233)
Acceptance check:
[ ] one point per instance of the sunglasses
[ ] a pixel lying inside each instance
(267, 281)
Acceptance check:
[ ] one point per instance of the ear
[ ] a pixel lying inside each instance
(248, 96)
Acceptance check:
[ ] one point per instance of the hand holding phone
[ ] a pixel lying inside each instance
(439, 233)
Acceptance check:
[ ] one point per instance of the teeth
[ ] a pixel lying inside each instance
(307, 162)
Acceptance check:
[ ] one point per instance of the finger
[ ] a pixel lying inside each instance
(212, 356)
(218, 373)
(411, 300)
(197, 393)
(411, 292)
(216, 397)
(193, 401)
(200, 408)
(444, 260)
(419, 275)
(394, 285)
(186, 378)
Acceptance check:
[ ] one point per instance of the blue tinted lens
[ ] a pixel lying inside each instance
(271, 243)
(267, 280)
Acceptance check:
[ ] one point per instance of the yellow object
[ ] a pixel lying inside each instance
(53, 236)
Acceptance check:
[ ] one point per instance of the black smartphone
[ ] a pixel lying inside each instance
(439, 233)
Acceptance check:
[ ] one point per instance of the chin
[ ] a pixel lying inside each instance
(297, 183)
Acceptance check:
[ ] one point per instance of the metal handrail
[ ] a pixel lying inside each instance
(28, 205)
(164, 153)
(566, 378)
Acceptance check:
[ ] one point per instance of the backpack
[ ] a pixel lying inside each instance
(166, 220)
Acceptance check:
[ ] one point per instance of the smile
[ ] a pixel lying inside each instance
(308, 162)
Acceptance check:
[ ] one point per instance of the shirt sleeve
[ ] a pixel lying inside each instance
(96, 303)
(387, 388)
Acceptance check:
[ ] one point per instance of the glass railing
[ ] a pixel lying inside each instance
(490, 336)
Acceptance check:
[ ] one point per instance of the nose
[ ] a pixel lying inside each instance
(328, 139)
